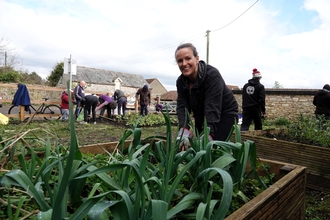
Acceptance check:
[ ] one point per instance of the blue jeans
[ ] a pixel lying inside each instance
(122, 101)
(65, 114)
(78, 108)
(144, 108)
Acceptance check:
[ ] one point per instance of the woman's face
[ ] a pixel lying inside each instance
(187, 62)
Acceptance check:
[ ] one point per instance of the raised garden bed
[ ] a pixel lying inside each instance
(315, 159)
(285, 199)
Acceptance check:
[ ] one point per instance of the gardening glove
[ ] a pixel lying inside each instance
(183, 137)
(209, 137)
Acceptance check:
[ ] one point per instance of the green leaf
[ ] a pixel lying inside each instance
(159, 209)
(45, 215)
(21, 179)
(185, 203)
(97, 212)
(201, 209)
(85, 208)
(226, 194)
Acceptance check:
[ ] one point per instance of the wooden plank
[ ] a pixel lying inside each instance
(315, 158)
(276, 199)
(34, 102)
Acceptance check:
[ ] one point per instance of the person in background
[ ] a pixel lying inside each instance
(144, 97)
(322, 102)
(79, 95)
(89, 103)
(202, 91)
(159, 107)
(65, 105)
(121, 99)
(253, 104)
(106, 102)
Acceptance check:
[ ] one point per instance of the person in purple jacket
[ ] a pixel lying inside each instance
(106, 102)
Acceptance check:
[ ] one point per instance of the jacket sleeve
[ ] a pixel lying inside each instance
(262, 99)
(213, 99)
(137, 93)
(65, 98)
(182, 107)
(115, 95)
(149, 97)
(76, 93)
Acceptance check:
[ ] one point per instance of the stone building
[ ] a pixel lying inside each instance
(157, 88)
(101, 81)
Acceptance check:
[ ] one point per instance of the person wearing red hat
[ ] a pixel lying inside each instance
(254, 106)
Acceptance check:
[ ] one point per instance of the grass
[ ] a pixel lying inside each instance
(102, 132)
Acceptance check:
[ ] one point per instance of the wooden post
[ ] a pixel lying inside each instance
(21, 114)
(136, 105)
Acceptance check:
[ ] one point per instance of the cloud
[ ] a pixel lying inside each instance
(140, 37)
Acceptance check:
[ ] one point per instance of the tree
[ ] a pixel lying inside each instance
(56, 74)
(277, 85)
(8, 75)
(32, 78)
(8, 56)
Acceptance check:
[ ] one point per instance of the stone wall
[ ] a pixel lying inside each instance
(37, 93)
(286, 103)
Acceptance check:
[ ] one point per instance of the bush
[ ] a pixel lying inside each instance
(11, 76)
(307, 129)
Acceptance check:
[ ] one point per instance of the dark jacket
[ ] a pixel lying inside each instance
(145, 98)
(64, 100)
(254, 95)
(209, 97)
(119, 94)
(322, 102)
(79, 92)
(22, 96)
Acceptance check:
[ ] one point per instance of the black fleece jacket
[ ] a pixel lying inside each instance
(254, 95)
(209, 97)
(322, 102)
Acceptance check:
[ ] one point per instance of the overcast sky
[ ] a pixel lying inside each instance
(287, 40)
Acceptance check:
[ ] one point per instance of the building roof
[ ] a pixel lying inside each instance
(101, 76)
(151, 80)
(169, 96)
(231, 87)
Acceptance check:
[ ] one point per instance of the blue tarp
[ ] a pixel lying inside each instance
(22, 96)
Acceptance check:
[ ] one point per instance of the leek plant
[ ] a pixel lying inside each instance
(50, 182)
(158, 180)
(151, 179)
